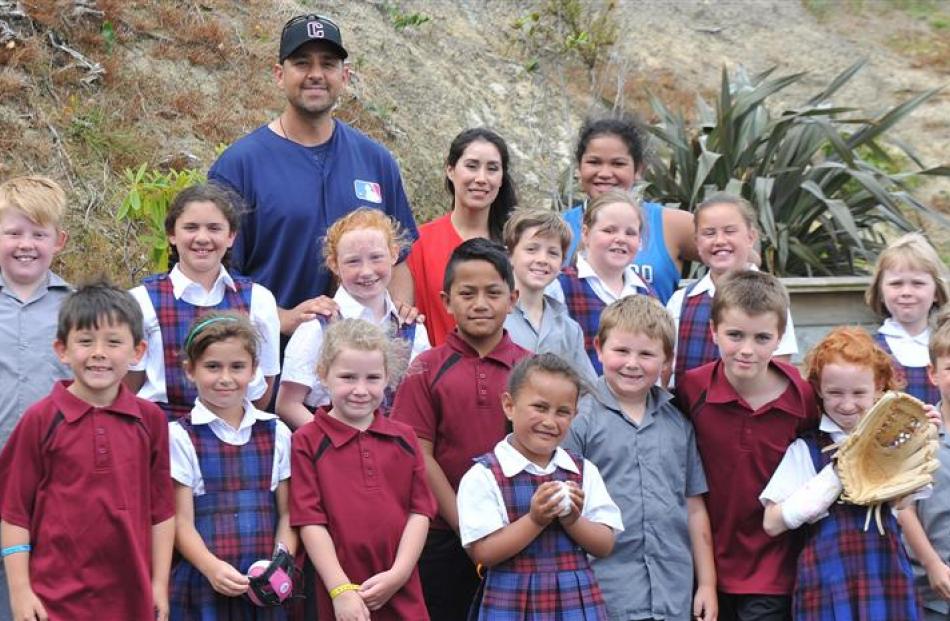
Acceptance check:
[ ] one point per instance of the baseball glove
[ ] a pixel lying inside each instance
(891, 452)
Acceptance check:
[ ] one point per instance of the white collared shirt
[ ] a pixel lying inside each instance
(303, 349)
(482, 509)
(787, 345)
(262, 312)
(632, 283)
(184, 460)
(910, 351)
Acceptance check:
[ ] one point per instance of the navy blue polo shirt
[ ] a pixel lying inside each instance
(294, 193)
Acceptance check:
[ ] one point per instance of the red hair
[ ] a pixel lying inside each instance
(852, 345)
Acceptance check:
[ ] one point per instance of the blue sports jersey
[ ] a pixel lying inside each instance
(652, 263)
(293, 195)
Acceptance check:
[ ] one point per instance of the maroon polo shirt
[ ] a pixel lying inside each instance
(452, 398)
(740, 449)
(361, 485)
(89, 483)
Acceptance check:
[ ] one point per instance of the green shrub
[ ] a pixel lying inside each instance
(819, 176)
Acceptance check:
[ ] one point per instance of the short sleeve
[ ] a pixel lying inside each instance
(420, 342)
(413, 404)
(695, 475)
(581, 361)
(598, 505)
(184, 460)
(480, 504)
(150, 328)
(303, 350)
(266, 320)
(162, 494)
(281, 470)
(306, 501)
(421, 499)
(788, 346)
(399, 207)
(21, 470)
(795, 469)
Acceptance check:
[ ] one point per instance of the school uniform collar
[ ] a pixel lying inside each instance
(340, 433)
(73, 408)
(656, 399)
(630, 276)
(791, 401)
(895, 330)
(51, 281)
(201, 415)
(353, 309)
(550, 302)
(181, 283)
(512, 462)
(833, 429)
(706, 284)
(504, 352)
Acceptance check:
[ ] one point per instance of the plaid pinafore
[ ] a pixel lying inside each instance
(174, 319)
(918, 384)
(846, 573)
(236, 518)
(585, 308)
(550, 579)
(694, 343)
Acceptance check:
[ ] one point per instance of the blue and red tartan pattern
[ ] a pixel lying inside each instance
(551, 578)
(847, 573)
(585, 308)
(918, 384)
(174, 319)
(236, 518)
(694, 344)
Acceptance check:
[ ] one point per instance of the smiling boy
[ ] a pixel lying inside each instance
(85, 492)
(747, 408)
(451, 396)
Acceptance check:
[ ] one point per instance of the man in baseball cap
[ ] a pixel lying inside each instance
(302, 171)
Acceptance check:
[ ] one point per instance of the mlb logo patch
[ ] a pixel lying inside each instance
(368, 191)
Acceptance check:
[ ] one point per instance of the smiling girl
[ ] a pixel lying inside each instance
(909, 283)
(483, 195)
(361, 249)
(610, 238)
(201, 225)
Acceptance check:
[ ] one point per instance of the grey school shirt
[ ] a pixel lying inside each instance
(934, 514)
(28, 365)
(557, 334)
(649, 469)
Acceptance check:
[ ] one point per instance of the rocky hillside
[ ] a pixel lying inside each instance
(90, 88)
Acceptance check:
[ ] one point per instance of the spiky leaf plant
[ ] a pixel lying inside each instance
(818, 175)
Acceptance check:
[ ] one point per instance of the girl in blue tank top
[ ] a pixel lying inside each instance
(609, 156)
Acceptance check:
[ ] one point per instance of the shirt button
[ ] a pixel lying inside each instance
(369, 472)
(481, 375)
(366, 454)
(102, 450)
(100, 430)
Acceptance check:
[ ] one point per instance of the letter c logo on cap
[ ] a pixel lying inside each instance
(315, 30)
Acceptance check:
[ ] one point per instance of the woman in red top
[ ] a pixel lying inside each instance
(477, 176)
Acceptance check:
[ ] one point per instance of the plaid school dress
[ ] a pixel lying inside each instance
(694, 344)
(846, 573)
(585, 308)
(174, 319)
(550, 579)
(236, 518)
(918, 384)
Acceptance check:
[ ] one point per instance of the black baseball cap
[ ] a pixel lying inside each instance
(305, 28)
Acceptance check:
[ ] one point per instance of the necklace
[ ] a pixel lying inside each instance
(280, 123)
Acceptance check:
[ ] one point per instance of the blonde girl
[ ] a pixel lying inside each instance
(360, 249)
(359, 494)
(908, 285)
(610, 238)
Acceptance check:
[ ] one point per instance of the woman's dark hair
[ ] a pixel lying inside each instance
(623, 127)
(226, 200)
(507, 197)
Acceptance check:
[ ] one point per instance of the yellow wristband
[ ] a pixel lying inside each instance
(337, 591)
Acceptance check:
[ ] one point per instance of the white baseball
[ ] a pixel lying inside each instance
(564, 499)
